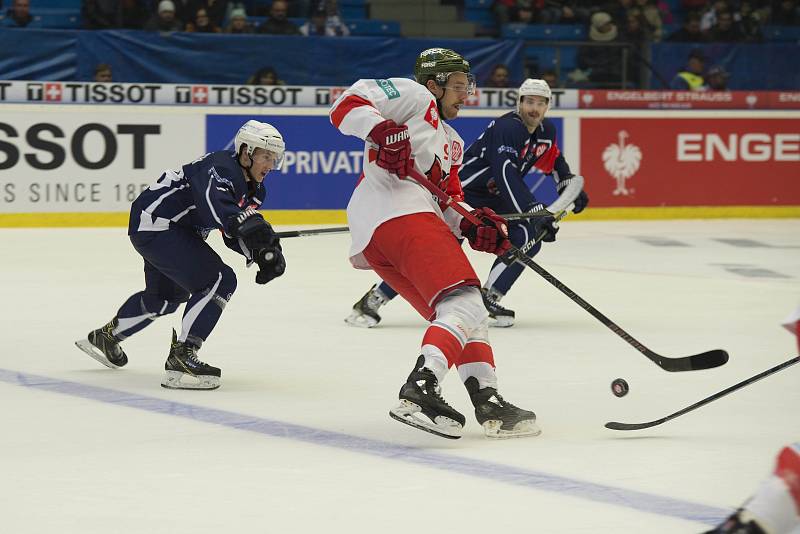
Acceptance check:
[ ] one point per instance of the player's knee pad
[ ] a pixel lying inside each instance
(463, 308)
(223, 287)
(159, 306)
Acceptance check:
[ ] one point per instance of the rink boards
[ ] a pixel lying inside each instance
(82, 165)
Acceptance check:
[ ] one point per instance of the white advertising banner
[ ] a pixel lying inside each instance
(86, 159)
(222, 95)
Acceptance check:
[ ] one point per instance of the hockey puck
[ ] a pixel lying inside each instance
(619, 387)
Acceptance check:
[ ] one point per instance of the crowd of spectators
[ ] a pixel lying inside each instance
(618, 32)
(202, 16)
(645, 20)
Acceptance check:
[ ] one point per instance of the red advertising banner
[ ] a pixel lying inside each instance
(689, 100)
(691, 162)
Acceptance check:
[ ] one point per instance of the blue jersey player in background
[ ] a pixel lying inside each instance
(493, 175)
(169, 223)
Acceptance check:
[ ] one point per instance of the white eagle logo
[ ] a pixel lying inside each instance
(622, 161)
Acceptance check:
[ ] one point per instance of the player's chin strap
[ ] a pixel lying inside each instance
(246, 169)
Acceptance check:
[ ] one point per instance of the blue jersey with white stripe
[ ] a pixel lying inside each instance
(201, 196)
(497, 162)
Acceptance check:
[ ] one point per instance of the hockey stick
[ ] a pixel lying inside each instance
(564, 202)
(712, 398)
(313, 231)
(559, 205)
(704, 360)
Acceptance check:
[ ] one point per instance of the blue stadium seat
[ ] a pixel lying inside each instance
(483, 4)
(540, 32)
(373, 27)
(546, 57)
(782, 33)
(481, 16)
(352, 12)
(37, 5)
(61, 19)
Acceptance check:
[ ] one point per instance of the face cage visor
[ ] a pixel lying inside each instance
(468, 88)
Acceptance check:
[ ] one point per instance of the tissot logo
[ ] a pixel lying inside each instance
(35, 91)
(183, 94)
(199, 94)
(52, 92)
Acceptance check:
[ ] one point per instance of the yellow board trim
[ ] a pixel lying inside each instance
(116, 219)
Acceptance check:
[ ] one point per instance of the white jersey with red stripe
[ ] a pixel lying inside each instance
(436, 148)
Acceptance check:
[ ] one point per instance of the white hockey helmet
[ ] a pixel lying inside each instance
(534, 87)
(255, 134)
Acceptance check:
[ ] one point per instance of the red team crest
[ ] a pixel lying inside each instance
(455, 152)
(540, 149)
(432, 115)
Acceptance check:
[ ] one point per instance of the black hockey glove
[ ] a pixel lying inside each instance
(580, 202)
(271, 264)
(545, 226)
(250, 227)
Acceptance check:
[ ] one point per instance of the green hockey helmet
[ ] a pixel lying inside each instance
(438, 64)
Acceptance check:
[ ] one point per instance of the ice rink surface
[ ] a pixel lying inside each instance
(298, 438)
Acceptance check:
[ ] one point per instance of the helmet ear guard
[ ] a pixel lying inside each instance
(254, 134)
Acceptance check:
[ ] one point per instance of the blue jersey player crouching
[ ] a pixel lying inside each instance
(493, 175)
(169, 223)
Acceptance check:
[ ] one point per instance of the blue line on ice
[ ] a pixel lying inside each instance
(637, 500)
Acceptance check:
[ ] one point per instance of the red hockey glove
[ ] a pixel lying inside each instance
(490, 236)
(394, 147)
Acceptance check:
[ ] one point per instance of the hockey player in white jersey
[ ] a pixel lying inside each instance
(403, 233)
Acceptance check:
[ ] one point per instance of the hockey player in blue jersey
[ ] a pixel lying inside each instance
(169, 223)
(493, 176)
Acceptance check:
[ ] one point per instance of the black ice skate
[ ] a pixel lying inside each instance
(498, 315)
(365, 311)
(738, 524)
(422, 405)
(185, 371)
(500, 418)
(103, 346)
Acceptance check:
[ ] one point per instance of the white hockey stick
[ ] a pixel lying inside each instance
(562, 203)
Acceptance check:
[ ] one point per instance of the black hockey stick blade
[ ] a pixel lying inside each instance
(696, 362)
(712, 398)
(313, 231)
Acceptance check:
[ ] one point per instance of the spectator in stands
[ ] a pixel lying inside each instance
(202, 23)
(600, 65)
(717, 79)
(102, 73)
(551, 78)
(652, 18)
(709, 18)
(277, 22)
(525, 12)
(238, 22)
(164, 20)
(322, 23)
(691, 77)
(635, 29)
(265, 76)
(785, 13)
(749, 21)
(499, 77)
(690, 33)
(215, 10)
(18, 15)
(725, 30)
(569, 12)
